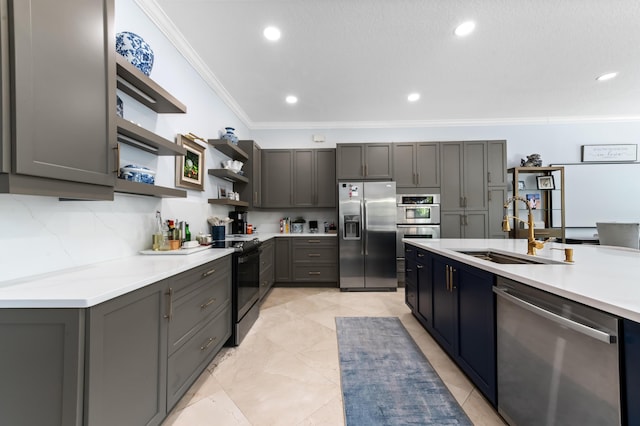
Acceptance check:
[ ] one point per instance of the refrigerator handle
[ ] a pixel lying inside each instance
(365, 226)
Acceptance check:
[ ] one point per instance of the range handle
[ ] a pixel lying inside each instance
(575, 326)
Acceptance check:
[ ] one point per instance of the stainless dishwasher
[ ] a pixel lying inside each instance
(557, 359)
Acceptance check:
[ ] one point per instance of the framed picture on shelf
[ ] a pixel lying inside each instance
(546, 182)
(190, 168)
(520, 184)
(533, 200)
(222, 192)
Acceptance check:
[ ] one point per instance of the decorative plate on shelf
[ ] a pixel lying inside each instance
(135, 50)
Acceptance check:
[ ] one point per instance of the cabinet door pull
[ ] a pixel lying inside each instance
(409, 269)
(209, 342)
(446, 277)
(209, 302)
(420, 254)
(489, 195)
(169, 294)
(314, 255)
(314, 273)
(417, 178)
(453, 271)
(488, 177)
(313, 241)
(366, 169)
(420, 266)
(116, 150)
(206, 274)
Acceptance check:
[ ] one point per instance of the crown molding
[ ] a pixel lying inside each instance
(524, 121)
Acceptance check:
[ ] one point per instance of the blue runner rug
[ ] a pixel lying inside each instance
(386, 379)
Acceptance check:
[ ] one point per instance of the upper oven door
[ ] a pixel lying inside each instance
(419, 214)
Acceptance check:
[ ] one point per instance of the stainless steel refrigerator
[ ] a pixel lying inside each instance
(367, 235)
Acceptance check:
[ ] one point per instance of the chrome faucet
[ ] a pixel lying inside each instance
(532, 244)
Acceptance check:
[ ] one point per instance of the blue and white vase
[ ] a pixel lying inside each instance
(135, 50)
(230, 136)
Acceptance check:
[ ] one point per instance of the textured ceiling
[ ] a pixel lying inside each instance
(353, 62)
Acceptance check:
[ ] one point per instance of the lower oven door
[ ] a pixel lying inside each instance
(414, 231)
(247, 281)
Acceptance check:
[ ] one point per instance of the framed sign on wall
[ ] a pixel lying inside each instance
(609, 153)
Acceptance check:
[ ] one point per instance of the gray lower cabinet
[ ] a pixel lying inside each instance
(59, 151)
(266, 267)
(126, 367)
(306, 260)
(364, 161)
(416, 164)
(126, 361)
(282, 260)
(41, 366)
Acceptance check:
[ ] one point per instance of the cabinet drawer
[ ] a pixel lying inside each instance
(300, 242)
(197, 306)
(315, 273)
(190, 281)
(318, 254)
(187, 363)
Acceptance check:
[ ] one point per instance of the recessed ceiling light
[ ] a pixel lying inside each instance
(413, 97)
(607, 76)
(291, 99)
(465, 28)
(272, 33)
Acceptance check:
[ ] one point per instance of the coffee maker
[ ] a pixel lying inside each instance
(239, 224)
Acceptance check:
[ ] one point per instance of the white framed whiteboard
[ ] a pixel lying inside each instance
(601, 192)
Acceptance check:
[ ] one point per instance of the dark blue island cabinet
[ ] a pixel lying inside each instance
(456, 306)
(631, 380)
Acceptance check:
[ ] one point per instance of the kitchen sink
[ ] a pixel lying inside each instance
(510, 259)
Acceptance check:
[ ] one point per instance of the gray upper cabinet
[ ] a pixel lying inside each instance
(473, 176)
(464, 175)
(277, 177)
(62, 108)
(364, 161)
(298, 178)
(314, 178)
(496, 163)
(416, 164)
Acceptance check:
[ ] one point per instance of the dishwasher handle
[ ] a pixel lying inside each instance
(575, 326)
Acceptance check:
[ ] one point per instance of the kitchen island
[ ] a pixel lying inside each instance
(507, 345)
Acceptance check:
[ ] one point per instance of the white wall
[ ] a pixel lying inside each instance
(42, 234)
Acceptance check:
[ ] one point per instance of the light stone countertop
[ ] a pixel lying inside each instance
(602, 277)
(90, 285)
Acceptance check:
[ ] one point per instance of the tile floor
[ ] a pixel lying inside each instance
(286, 370)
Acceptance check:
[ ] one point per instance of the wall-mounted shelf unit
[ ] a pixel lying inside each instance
(227, 174)
(144, 90)
(139, 137)
(226, 202)
(235, 153)
(229, 149)
(139, 188)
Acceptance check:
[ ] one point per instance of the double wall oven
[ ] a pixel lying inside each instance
(418, 216)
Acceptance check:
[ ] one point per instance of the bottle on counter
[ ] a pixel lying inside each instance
(187, 233)
(158, 236)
